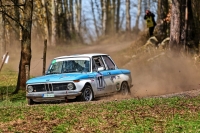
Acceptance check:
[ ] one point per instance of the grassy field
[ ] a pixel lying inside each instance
(131, 115)
(176, 114)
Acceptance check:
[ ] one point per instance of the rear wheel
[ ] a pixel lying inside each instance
(87, 94)
(124, 90)
(30, 102)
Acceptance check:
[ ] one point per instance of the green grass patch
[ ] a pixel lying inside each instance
(176, 114)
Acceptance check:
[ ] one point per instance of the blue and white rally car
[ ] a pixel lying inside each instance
(84, 76)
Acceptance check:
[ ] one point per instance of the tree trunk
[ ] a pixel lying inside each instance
(72, 17)
(195, 25)
(25, 44)
(44, 57)
(128, 23)
(118, 15)
(175, 25)
(53, 23)
(104, 16)
(138, 14)
(186, 24)
(66, 17)
(78, 15)
(112, 17)
(163, 23)
(60, 20)
(94, 19)
(78, 20)
(2, 38)
(17, 16)
(45, 20)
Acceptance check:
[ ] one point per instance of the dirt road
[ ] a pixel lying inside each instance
(164, 75)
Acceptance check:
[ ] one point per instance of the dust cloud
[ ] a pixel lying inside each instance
(169, 73)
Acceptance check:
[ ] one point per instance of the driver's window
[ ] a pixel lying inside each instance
(97, 62)
(109, 62)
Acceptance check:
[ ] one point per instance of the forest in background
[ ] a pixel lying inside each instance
(67, 21)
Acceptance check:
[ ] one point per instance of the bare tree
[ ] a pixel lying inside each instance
(112, 16)
(128, 17)
(71, 5)
(2, 34)
(78, 15)
(94, 18)
(104, 16)
(118, 15)
(67, 20)
(138, 14)
(25, 59)
(53, 22)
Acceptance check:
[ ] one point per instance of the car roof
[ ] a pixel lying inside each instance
(81, 55)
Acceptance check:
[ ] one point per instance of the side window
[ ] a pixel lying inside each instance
(97, 62)
(109, 62)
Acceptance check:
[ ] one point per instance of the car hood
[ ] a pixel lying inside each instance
(59, 77)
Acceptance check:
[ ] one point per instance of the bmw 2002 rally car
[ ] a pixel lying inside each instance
(84, 76)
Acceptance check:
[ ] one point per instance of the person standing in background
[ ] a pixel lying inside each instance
(150, 20)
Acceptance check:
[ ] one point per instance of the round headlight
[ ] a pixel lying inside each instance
(30, 89)
(70, 86)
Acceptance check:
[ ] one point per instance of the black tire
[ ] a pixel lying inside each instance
(30, 102)
(124, 89)
(87, 94)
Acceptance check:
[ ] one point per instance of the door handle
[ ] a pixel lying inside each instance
(109, 73)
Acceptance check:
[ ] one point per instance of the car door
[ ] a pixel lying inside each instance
(103, 77)
(113, 72)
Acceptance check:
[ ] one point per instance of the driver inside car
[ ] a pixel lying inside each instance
(72, 66)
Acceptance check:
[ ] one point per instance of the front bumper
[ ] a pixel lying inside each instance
(51, 96)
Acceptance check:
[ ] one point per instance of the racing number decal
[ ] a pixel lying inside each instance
(100, 81)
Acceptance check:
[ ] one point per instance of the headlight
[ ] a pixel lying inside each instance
(30, 89)
(70, 86)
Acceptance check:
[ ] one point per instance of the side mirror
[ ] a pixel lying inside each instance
(100, 69)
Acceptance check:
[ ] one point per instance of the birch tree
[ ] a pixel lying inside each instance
(138, 14)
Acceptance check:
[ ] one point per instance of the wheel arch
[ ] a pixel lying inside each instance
(125, 81)
(87, 83)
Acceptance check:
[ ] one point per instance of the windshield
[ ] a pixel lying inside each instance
(69, 65)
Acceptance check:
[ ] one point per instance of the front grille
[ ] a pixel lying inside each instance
(50, 87)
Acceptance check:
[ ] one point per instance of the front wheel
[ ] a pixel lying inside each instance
(124, 90)
(87, 94)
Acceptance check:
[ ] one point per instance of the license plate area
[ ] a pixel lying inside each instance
(48, 95)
